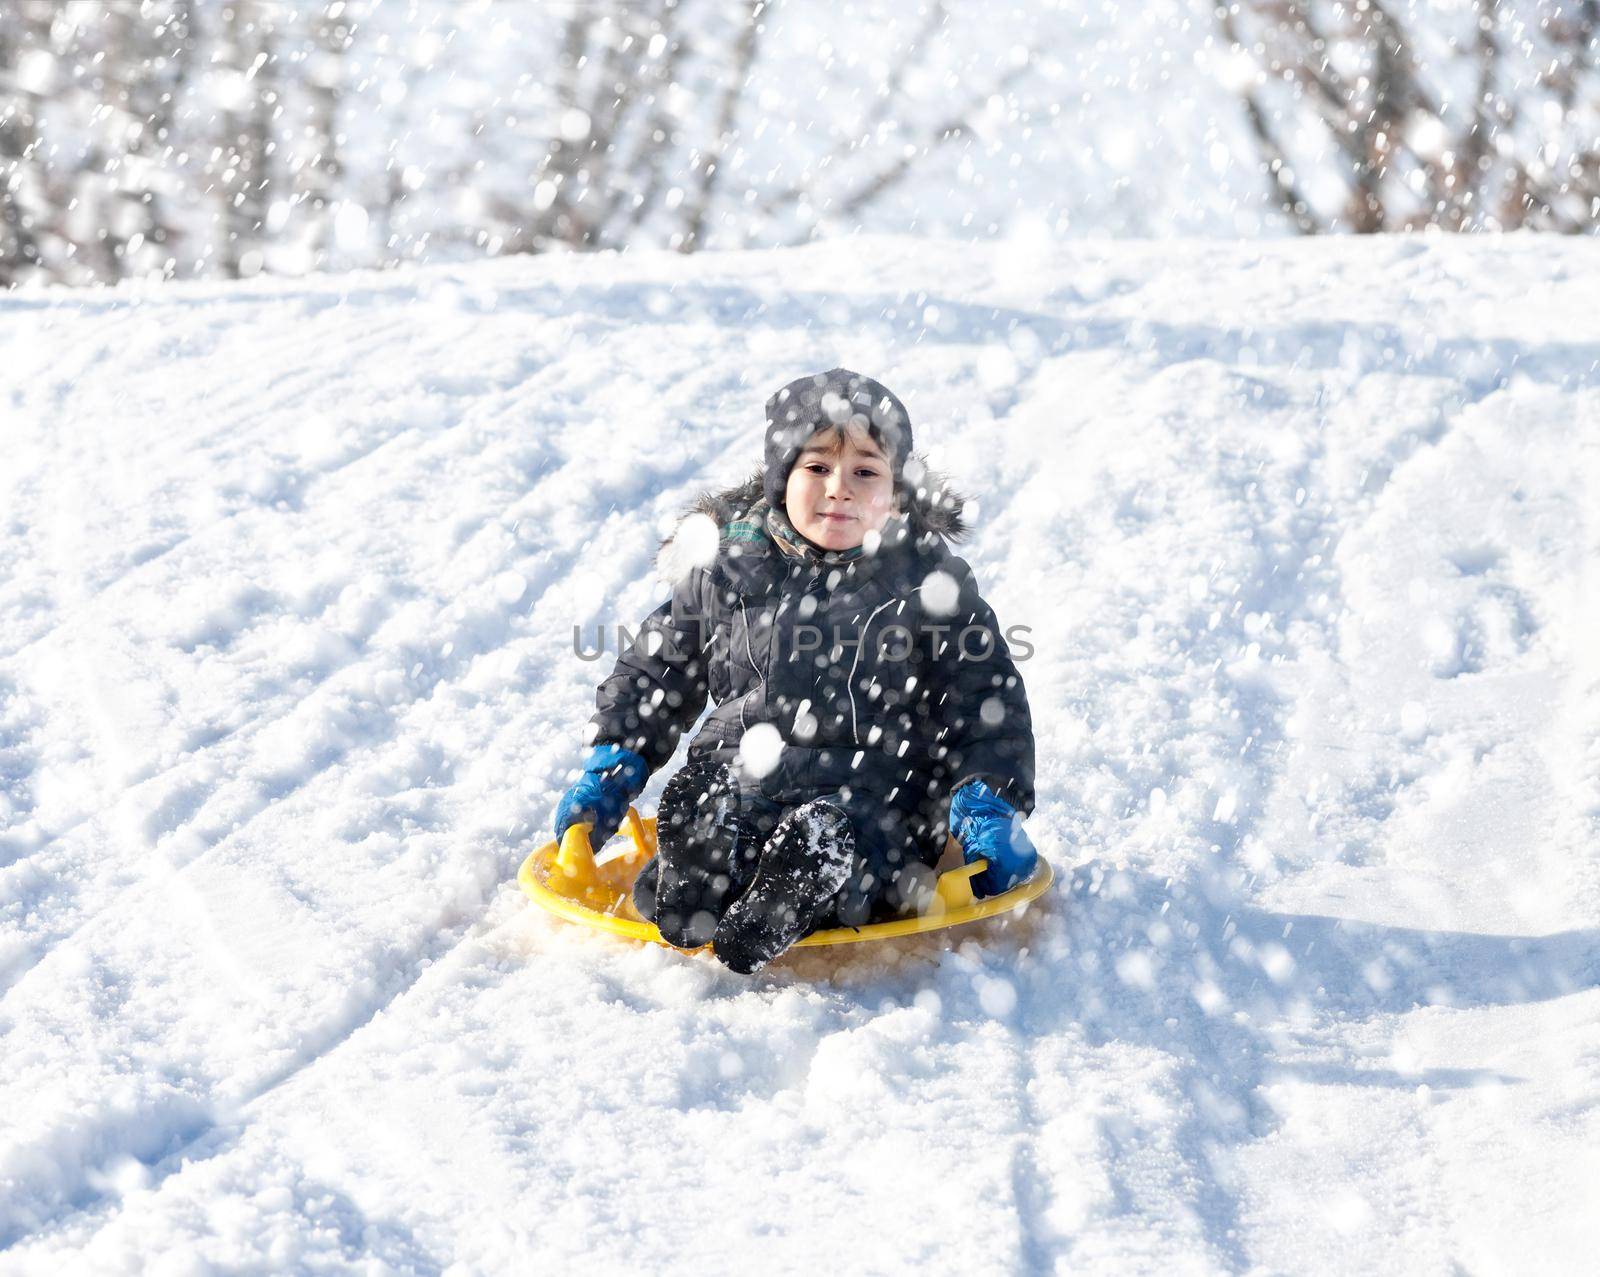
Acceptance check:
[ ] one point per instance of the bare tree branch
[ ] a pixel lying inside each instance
(19, 246)
(1290, 199)
(1408, 157)
(916, 53)
(710, 169)
(657, 138)
(955, 126)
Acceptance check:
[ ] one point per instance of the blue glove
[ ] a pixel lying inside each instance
(988, 828)
(612, 778)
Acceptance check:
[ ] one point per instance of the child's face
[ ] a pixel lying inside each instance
(840, 488)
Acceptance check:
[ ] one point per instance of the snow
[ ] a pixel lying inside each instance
(1303, 534)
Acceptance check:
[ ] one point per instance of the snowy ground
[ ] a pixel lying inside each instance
(1307, 537)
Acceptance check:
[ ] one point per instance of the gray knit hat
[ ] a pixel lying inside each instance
(837, 397)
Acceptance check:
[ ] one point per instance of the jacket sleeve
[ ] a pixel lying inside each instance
(659, 685)
(985, 726)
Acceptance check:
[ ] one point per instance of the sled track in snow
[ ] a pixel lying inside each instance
(219, 1132)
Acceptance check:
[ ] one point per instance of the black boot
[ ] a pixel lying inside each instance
(808, 858)
(644, 891)
(703, 856)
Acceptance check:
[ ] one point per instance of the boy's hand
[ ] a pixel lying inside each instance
(988, 828)
(612, 778)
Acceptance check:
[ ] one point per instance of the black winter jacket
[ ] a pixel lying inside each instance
(886, 676)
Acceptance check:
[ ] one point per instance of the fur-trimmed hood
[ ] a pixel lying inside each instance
(936, 512)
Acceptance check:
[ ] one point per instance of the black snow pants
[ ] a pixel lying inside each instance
(894, 872)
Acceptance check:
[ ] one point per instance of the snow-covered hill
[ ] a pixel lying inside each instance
(1306, 537)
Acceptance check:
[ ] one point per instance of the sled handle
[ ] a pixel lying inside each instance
(574, 869)
(575, 861)
(954, 887)
(640, 835)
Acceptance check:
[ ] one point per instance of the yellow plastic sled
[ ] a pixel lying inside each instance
(564, 879)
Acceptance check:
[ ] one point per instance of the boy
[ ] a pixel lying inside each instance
(865, 699)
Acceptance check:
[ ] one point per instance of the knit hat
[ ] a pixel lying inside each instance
(837, 397)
